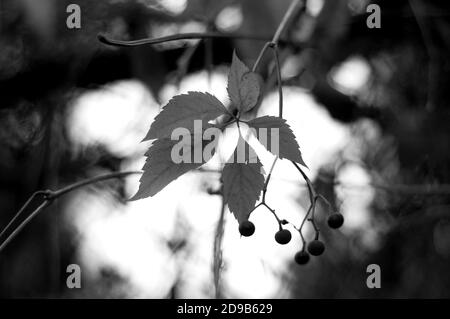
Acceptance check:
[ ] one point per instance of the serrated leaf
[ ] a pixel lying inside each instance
(244, 86)
(160, 168)
(242, 184)
(182, 110)
(250, 90)
(287, 145)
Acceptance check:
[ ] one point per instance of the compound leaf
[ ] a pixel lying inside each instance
(244, 86)
(242, 183)
(166, 162)
(181, 112)
(270, 131)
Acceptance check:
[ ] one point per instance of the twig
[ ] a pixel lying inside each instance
(51, 196)
(176, 37)
(273, 44)
(300, 229)
(311, 190)
(431, 51)
(280, 84)
(23, 224)
(287, 16)
(268, 179)
(274, 214)
(217, 252)
(55, 194)
(260, 56)
(21, 210)
(184, 61)
(281, 27)
(313, 201)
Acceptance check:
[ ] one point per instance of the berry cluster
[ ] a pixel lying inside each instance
(283, 236)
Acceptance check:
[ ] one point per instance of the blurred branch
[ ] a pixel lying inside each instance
(217, 252)
(50, 197)
(187, 36)
(55, 194)
(433, 65)
(21, 210)
(23, 224)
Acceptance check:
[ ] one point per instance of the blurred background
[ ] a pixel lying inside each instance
(369, 108)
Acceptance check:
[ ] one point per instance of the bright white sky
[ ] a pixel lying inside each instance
(131, 238)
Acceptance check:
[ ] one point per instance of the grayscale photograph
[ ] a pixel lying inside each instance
(246, 151)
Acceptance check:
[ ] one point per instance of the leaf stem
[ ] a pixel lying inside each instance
(280, 84)
(268, 179)
(274, 46)
(260, 56)
(311, 190)
(274, 214)
(281, 27)
(217, 250)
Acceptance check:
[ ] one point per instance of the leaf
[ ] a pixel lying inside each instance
(181, 112)
(287, 145)
(161, 168)
(242, 184)
(250, 90)
(244, 86)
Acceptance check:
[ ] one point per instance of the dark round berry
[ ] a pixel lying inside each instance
(301, 257)
(335, 220)
(283, 236)
(246, 228)
(316, 248)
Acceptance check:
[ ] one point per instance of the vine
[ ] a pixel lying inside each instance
(245, 92)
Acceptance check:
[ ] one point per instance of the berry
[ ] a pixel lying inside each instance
(301, 257)
(335, 220)
(283, 236)
(246, 228)
(316, 248)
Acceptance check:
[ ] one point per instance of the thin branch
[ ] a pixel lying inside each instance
(311, 191)
(209, 59)
(23, 224)
(183, 63)
(274, 46)
(260, 56)
(281, 27)
(55, 194)
(330, 207)
(217, 253)
(274, 214)
(300, 229)
(21, 210)
(176, 37)
(312, 218)
(268, 179)
(431, 51)
(286, 19)
(51, 196)
(280, 84)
